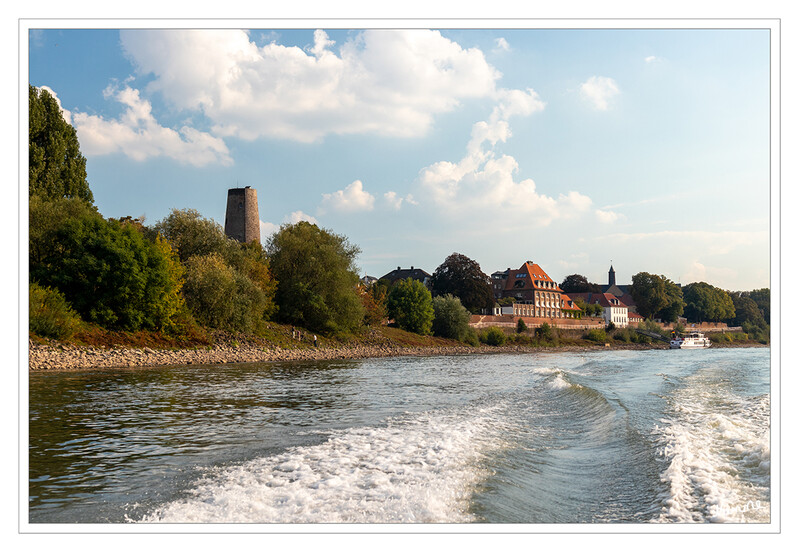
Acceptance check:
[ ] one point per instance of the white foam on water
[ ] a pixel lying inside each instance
(421, 468)
(719, 459)
(558, 382)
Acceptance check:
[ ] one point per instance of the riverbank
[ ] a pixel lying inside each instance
(70, 357)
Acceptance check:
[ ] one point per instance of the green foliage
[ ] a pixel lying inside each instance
(374, 300)
(411, 306)
(657, 297)
(762, 297)
(50, 315)
(597, 334)
(471, 337)
(317, 279)
(450, 318)
(746, 310)
(545, 332)
(704, 302)
(521, 327)
(593, 309)
(493, 336)
(108, 271)
(652, 326)
(190, 234)
(462, 277)
(577, 283)
(56, 168)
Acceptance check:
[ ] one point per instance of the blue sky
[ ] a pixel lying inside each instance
(570, 148)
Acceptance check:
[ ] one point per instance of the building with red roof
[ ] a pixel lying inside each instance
(613, 310)
(535, 294)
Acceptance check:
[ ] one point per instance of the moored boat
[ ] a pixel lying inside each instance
(694, 340)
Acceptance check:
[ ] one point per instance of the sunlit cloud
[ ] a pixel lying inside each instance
(371, 85)
(351, 199)
(137, 134)
(598, 91)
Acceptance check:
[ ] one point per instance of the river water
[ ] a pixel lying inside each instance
(598, 437)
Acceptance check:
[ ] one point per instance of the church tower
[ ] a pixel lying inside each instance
(611, 277)
(242, 222)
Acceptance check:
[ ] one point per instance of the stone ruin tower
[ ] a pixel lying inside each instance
(241, 218)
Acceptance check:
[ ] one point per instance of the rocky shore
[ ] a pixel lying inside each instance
(70, 357)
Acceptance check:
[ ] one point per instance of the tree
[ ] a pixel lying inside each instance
(462, 277)
(746, 310)
(762, 297)
(577, 283)
(56, 169)
(657, 296)
(411, 306)
(674, 302)
(374, 299)
(317, 278)
(107, 270)
(450, 318)
(191, 234)
(704, 302)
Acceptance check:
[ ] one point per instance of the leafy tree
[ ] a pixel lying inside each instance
(222, 297)
(107, 270)
(191, 234)
(521, 327)
(674, 302)
(746, 311)
(657, 296)
(577, 283)
(762, 297)
(462, 277)
(704, 302)
(374, 299)
(411, 306)
(56, 169)
(450, 318)
(317, 278)
(588, 310)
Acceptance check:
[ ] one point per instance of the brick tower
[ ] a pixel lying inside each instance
(241, 218)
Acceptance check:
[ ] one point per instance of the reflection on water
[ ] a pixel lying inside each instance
(506, 438)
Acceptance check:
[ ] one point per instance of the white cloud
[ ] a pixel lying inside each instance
(138, 135)
(598, 91)
(267, 229)
(395, 201)
(607, 216)
(388, 82)
(298, 216)
(483, 182)
(501, 45)
(349, 200)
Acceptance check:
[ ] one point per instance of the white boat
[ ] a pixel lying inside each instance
(694, 340)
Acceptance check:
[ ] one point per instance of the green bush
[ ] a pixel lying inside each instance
(450, 317)
(598, 335)
(544, 332)
(471, 337)
(411, 306)
(493, 336)
(521, 327)
(50, 315)
(108, 270)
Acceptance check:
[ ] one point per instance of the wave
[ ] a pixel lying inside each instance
(716, 447)
(419, 468)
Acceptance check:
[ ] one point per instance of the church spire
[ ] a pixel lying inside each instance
(611, 276)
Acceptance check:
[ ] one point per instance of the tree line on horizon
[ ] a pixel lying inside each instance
(183, 273)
